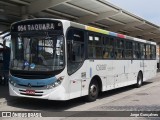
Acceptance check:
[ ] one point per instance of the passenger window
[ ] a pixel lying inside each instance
(142, 51)
(119, 49)
(153, 52)
(136, 50)
(95, 46)
(108, 51)
(128, 51)
(91, 40)
(148, 51)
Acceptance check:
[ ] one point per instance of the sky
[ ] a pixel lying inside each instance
(146, 9)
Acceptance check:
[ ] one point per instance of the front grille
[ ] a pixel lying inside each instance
(23, 76)
(32, 86)
(37, 93)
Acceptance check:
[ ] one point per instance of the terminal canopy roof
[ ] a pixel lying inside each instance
(97, 13)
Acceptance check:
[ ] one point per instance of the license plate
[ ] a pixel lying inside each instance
(31, 92)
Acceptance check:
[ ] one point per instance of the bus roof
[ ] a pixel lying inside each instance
(94, 29)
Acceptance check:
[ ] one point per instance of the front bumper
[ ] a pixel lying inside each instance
(57, 93)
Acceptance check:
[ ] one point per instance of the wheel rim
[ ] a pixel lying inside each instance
(93, 90)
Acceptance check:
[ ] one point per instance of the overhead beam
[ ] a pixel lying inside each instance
(148, 31)
(45, 14)
(40, 5)
(20, 2)
(60, 13)
(138, 29)
(100, 3)
(133, 24)
(116, 21)
(6, 3)
(106, 4)
(100, 25)
(79, 8)
(152, 37)
(92, 18)
(126, 26)
(149, 34)
(135, 33)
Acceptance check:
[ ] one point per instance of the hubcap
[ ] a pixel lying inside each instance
(93, 90)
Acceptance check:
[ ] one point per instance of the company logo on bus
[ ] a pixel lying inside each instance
(29, 85)
(101, 67)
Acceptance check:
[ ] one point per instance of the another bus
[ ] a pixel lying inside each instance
(60, 60)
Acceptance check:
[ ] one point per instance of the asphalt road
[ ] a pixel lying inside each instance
(146, 98)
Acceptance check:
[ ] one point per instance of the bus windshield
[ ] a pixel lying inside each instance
(37, 52)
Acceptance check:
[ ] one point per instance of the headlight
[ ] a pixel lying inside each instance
(56, 83)
(50, 86)
(61, 78)
(13, 83)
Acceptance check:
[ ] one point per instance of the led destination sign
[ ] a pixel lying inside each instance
(32, 27)
(36, 26)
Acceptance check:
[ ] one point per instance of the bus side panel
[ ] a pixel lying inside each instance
(133, 70)
(120, 72)
(126, 72)
(149, 69)
(105, 70)
(79, 82)
(116, 74)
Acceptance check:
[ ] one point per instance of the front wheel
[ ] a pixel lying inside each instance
(93, 91)
(139, 80)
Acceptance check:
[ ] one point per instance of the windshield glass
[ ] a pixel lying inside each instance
(39, 52)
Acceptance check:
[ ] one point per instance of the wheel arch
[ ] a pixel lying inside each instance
(96, 77)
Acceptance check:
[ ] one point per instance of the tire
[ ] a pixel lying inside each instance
(139, 80)
(93, 91)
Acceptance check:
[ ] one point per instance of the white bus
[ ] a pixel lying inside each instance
(61, 60)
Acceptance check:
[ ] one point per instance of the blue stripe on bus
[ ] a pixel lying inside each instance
(90, 72)
(113, 34)
(36, 82)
